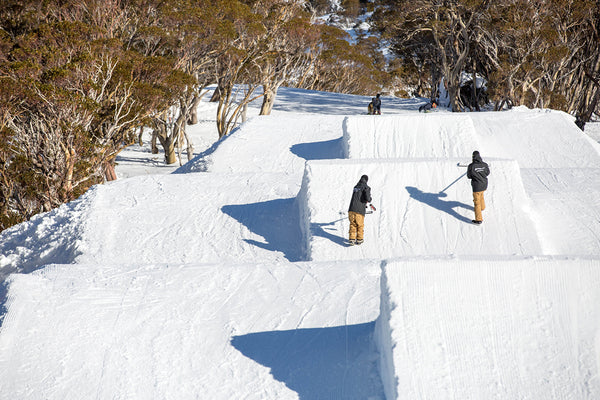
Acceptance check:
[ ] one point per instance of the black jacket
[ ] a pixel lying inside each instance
(361, 195)
(425, 107)
(477, 172)
(376, 102)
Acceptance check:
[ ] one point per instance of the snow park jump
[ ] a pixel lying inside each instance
(409, 160)
(410, 201)
(232, 278)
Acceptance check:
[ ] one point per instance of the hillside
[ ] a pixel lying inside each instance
(229, 277)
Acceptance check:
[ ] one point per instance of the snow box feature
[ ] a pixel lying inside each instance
(409, 136)
(424, 206)
(513, 328)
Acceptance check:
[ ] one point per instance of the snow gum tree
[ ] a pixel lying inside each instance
(193, 34)
(337, 65)
(537, 53)
(448, 28)
(71, 95)
(233, 67)
(547, 55)
(289, 36)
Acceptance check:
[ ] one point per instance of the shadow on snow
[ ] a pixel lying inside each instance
(319, 363)
(325, 150)
(3, 299)
(201, 162)
(277, 221)
(322, 231)
(435, 200)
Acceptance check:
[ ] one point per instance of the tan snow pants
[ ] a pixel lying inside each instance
(479, 203)
(357, 225)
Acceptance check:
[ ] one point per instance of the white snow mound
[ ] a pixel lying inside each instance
(426, 199)
(490, 329)
(432, 135)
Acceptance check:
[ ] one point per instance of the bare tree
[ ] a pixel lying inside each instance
(448, 28)
(233, 68)
(547, 54)
(338, 65)
(289, 35)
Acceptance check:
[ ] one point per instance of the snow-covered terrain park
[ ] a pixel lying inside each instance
(229, 277)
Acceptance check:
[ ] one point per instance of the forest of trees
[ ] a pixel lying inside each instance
(540, 53)
(79, 80)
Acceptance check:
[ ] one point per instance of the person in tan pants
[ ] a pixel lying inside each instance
(361, 195)
(479, 205)
(478, 172)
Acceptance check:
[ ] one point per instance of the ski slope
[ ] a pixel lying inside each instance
(490, 328)
(427, 135)
(218, 331)
(536, 139)
(416, 199)
(230, 278)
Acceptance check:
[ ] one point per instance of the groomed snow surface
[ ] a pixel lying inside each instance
(230, 277)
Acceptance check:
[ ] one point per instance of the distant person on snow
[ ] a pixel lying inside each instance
(428, 106)
(376, 101)
(477, 172)
(361, 195)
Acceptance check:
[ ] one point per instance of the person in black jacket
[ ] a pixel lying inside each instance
(477, 172)
(428, 106)
(361, 195)
(376, 101)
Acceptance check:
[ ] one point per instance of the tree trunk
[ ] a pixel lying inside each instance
(154, 146)
(221, 121)
(169, 148)
(268, 100)
(218, 92)
(222, 108)
(70, 166)
(193, 117)
(109, 171)
(167, 143)
(453, 97)
(190, 147)
(245, 113)
(474, 94)
(452, 86)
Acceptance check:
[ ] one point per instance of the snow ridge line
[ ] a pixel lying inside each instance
(50, 237)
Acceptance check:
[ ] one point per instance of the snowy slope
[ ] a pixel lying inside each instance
(192, 218)
(421, 209)
(274, 144)
(212, 331)
(567, 204)
(536, 139)
(560, 167)
(490, 329)
(431, 135)
(47, 238)
(197, 284)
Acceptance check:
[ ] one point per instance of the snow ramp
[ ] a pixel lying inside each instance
(186, 218)
(424, 207)
(275, 144)
(560, 168)
(431, 135)
(544, 139)
(519, 328)
(232, 331)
